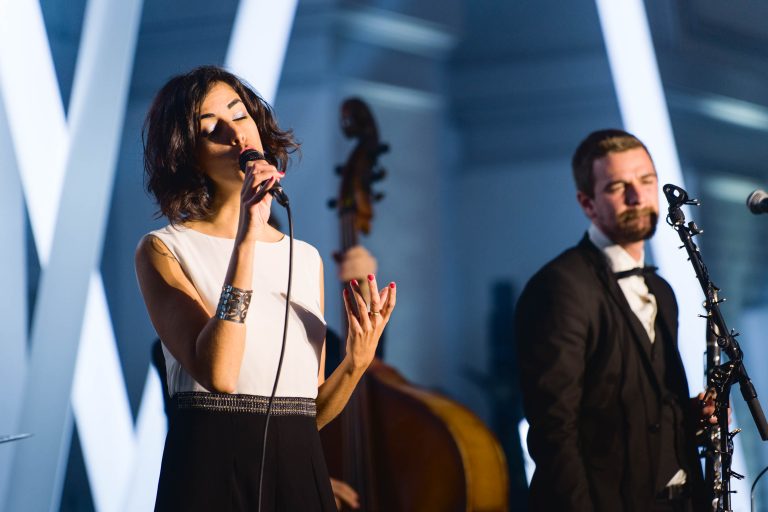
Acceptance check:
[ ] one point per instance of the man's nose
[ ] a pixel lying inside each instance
(631, 194)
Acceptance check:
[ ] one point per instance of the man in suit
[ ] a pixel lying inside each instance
(604, 389)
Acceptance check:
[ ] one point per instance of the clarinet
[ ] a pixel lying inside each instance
(718, 441)
(712, 460)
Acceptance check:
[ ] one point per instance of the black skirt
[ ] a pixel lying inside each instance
(213, 451)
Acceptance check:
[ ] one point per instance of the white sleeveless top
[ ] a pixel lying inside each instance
(204, 259)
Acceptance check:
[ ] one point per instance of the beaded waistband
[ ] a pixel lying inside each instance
(223, 402)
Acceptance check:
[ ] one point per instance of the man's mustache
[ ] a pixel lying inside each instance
(630, 215)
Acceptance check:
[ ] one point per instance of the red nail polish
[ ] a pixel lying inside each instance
(355, 283)
(392, 285)
(346, 292)
(370, 277)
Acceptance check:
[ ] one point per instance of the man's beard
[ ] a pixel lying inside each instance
(636, 225)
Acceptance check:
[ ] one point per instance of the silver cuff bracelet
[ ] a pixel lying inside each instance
(233, 304)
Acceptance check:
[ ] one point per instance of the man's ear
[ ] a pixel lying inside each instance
(587, 204)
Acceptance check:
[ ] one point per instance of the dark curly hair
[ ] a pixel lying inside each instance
(595, 146)
(171, 134)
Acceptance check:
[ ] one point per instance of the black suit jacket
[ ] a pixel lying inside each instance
(590, 392)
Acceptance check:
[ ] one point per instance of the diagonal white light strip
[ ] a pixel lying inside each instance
(644, 111)
(13, 295)
(98, 102)
(29, 94)
(259, 40)
(150, 440)
(33, 104)
(123, 463)
(107, 438)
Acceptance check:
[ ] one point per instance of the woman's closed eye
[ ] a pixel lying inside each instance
(208, 130)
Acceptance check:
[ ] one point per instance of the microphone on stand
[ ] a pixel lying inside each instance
(757, 202)
(250, 154)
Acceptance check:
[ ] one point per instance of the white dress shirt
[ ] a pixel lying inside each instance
(640, 299)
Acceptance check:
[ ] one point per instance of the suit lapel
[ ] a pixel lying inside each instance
(611, 285)
(667, 313)
(663, 312)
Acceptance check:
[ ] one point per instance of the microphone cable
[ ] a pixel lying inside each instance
(279, 195)
(277, 192)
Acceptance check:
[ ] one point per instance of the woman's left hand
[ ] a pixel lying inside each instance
(366, 326)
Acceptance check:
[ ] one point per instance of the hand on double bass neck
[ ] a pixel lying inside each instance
(366, 325)
(344, 495)
(356, 263)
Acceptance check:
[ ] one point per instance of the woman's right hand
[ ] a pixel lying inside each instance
(255, 201)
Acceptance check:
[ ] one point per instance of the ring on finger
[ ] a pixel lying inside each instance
(375, 313)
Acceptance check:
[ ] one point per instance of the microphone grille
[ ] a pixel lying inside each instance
(248, 155)
(754, 200)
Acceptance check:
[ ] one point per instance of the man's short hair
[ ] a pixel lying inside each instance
(597, 145)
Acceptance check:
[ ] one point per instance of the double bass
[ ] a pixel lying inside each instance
(401, 447)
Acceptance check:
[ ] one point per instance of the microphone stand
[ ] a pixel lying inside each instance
(721, 376)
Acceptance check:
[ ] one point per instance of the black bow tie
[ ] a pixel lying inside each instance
(637, 271)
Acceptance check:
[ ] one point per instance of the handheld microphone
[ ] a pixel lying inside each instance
(250, 154)
(757, 202)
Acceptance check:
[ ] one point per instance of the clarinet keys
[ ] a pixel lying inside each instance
(694, 229)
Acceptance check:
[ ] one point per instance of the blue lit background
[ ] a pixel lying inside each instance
(482, 103)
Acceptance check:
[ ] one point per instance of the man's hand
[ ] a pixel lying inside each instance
(704, 402)
(344, 495)
(356, 263)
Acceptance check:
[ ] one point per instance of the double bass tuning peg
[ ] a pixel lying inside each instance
(333, 203)
(383, 148)
(378, 196)
(378, 175)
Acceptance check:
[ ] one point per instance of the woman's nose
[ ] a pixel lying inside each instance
(238, 138)
(236, 135)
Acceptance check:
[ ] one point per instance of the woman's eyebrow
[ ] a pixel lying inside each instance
(229, 105)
